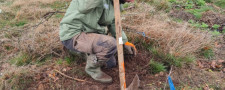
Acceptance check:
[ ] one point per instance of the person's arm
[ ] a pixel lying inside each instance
(84, 6)
(131, 49)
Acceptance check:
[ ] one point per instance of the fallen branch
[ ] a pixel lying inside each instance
(76, 79)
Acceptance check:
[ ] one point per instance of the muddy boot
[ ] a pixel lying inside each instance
(93, 68)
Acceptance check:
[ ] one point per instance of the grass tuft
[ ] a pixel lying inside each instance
(58, 4)
(20, 23)
(156, 67)
(170, 37)
(207, 52)
(220, 3)
(19, 79)
(21, 59)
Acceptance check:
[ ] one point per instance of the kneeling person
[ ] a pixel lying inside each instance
(83, 29)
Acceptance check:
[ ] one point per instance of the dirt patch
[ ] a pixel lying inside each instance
(190, 75)
(220, 48)
(182, 15)
(212, 18)
(195, 77)
(134, 65)
(209, 17)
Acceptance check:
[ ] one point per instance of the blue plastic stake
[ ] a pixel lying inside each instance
(171, 83)
(143, 34)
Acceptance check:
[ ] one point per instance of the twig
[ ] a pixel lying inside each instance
(76, 79)
(56, 53)
(168, 76)
(51, 13)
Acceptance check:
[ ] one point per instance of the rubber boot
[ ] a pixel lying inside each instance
(93, 68)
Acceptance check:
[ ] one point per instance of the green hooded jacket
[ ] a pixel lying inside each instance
(91, 16)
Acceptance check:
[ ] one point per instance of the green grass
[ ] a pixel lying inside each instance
(8, 47)
(6, 18)
(46, 59)
(223, 31)
(12, 23)
(166, 58)
(215, 33)
(156, 67)
(18, 80)
(169, 59)
(197, 12)
(215, 26)
(20, 23)
(58, 5)
(21, 59)
(220, 3)
(59, 15)
(59, 62)
(178, 20)
(207, 53)
(209, 1)
(172, 60)
(161, 5)
(70, 60)
(198, 25)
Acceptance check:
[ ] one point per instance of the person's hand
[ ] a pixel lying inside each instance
(131, 49)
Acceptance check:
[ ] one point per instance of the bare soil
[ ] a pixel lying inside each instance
(210, 18)
(190, 75)
(182, 15)
(220, 48)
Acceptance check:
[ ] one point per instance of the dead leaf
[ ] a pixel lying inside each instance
(64, 70)
(159, 83)
(38, 77)
(41, 87)
(221, 61)
(156, 75)
(69, 68)
(207, 87)
(217, 45)
(213, 64)
(53, 77)
(200, 64)
(161, 73)
(218, 66)
(185, 88)
(206, 48)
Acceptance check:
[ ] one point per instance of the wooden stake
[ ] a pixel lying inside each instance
(119, 45)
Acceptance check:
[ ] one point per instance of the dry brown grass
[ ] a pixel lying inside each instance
(16, 78)
(31, 13)
(42, 41)
(28, 9)
(31, 2)
(37, 42)
(31, 9)
(174, 38)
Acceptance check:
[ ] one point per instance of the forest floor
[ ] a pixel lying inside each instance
(171, 38)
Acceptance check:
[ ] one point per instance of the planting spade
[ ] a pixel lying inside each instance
(136, 82)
